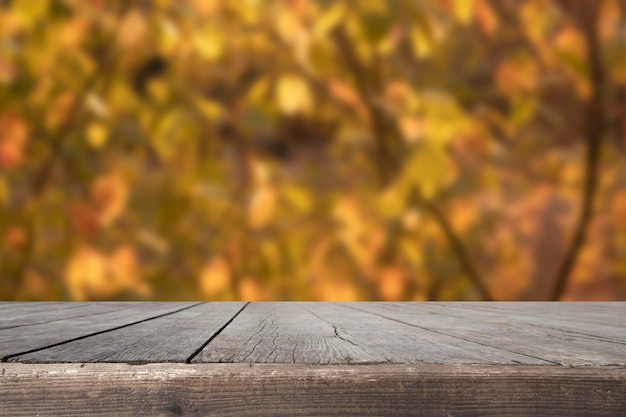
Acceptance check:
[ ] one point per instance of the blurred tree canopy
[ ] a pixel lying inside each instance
(312, 149)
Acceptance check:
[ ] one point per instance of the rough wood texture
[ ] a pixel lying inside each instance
(171, 338)
(28, 314)
(94, 319)
(314, 359)
(329, 333)
(297, 390)
(512, 332)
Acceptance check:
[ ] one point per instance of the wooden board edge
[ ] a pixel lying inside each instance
(282, 390)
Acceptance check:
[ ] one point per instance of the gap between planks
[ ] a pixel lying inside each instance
(6, 358)
(214, 335)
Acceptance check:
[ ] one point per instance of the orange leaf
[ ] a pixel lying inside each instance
(347, 96)
(83, 219)
(109, 194)
(13, 138)
(487, 19)
(124, 270)
(92, 274)
(262, 206)
(249, 290)
(215, 277)
(86, 274)
(14, 238)
(392, 284)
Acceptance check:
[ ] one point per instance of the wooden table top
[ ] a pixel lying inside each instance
(569, 354)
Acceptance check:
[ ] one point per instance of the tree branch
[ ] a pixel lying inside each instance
(595, 131)
(386, 137)
(368, 90)
(459, 250)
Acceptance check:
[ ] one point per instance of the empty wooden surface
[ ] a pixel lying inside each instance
(313, 358)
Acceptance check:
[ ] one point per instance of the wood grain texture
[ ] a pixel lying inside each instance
(29, 314)
(508, 332)
(298, 390)
(21, 339)
(330, 333)
(604, 320)
(171, 338)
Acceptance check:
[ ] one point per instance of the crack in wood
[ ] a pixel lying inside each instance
(334, 328)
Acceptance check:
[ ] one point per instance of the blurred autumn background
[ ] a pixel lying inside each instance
(313, 150)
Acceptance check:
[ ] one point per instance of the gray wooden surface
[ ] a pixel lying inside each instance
(313, 358)
(38, 328)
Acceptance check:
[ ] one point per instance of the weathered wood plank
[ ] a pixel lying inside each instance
(297, 390)
(22, 339)
(29, 304)
(505, 332)
(328, 333)
(171, 338)
(586, 318)
(28, 314)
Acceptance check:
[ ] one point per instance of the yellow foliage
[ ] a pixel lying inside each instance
(329, 19)
(428, 169)
(338, 289)
(618, 208)
(250, 290)
(124, 267)
(392, 201)
(212, 110)
(411, 219)
(13, 140)
(215, 277)
(293, 95)
(443, 119)
(158, 91)
(95, 103)
(169, 34)
(401, 97)
(29, 13)
(517, 76)
(261, 172)
(73, 33)
(463, 10)
(109, 194)
(298, 197)
(209, 43)
(392, 284)
(133, 29)
(262, 206)
(348, 96)
(292, 139)
(487, 19)
(97, 135)
(14, 238)
(412, 128)
(463, 216)
(91, 273)
(348, 215)
(258, 91)
(5, 191)
(36, 286)
(421, 43)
